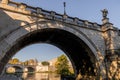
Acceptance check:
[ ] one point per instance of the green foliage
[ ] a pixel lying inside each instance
(62, 65)
(45, 63)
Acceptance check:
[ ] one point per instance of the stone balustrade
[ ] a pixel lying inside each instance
(53, 15)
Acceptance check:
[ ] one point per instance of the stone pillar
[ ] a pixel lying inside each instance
(22, 6)
(110, 58)
(53, 14)
(5, 2)
(64, 17)
(108, 32)
(86, 23)
(105, 20)
(39, 10)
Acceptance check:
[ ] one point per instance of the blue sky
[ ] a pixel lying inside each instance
(83, 9)
(40, 51)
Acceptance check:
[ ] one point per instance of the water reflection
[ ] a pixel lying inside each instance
(40, 76)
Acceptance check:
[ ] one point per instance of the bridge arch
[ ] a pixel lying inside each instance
(29, 69)
(80, 49)
(15, 69)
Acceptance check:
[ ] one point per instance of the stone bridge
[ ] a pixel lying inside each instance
(13, 68)
(92, 48)
(21, 68)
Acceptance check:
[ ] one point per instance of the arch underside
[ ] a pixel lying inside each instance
(30, 69)
(82, 58)
(18, 69)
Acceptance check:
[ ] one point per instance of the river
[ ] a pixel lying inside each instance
(31, 76)
(40, 76)
(35, 76)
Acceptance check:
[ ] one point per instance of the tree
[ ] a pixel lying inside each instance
(45, 63)
(62, 65)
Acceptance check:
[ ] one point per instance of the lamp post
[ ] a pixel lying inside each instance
(64, 15)
(64, 3)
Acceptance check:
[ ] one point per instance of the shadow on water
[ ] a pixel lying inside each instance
(37, 76)
(27, 76)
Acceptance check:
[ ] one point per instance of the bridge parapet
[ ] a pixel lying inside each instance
(45, 14)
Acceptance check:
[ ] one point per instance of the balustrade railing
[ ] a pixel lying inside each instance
(54, 16)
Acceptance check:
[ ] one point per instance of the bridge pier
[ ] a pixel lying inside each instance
(112, 55)
(112, 64)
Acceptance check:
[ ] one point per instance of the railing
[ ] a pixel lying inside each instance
(54, 16)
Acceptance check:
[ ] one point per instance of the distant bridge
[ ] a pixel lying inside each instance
(21, 68)
(93, 49)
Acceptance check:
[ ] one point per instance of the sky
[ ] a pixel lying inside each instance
(40, 51)
(84, 9)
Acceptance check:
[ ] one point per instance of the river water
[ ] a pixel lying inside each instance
(31, 76)
(40, 76)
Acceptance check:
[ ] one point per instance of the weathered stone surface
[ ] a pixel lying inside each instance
(18, 24)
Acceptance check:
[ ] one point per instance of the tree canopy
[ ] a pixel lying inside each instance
(62, 65)
(45, 63)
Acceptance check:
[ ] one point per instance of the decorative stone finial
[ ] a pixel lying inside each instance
(104, 13)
